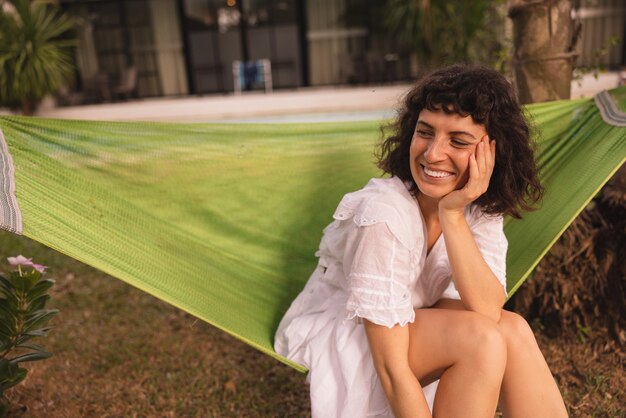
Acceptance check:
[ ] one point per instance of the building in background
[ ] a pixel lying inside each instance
(153, 48)
(602, 42)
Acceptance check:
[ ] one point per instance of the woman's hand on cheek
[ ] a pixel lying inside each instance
(480, 169)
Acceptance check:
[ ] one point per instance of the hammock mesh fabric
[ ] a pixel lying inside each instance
(222, 221)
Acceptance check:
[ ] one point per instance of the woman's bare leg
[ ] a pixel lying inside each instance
(467, 352)
(528, 388)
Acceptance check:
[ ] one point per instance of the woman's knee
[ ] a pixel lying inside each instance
(516, 330)
(486, 343)
(440, 338)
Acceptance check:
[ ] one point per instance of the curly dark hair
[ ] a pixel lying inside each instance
(486, 96)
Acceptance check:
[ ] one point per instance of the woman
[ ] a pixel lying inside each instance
(411, 277)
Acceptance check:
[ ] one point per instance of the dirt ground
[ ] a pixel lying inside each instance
(121, 353)
(590, 374)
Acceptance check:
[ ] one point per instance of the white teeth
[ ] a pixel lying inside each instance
(437, 173)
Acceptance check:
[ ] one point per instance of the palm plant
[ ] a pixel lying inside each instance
(35, 52)
(441, 32)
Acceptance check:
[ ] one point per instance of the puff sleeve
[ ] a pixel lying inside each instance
(377, 267)
(488, 232)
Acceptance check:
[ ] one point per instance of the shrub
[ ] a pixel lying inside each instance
(23, 316)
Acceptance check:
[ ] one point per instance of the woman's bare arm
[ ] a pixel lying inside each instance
(479, 288)
(390, 349)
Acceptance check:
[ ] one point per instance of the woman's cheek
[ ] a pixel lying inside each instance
(464, 176)
(462, 180)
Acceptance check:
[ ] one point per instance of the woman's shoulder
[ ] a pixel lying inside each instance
(384, 201)
(384, 197)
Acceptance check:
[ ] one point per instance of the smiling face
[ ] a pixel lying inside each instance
(440, 149)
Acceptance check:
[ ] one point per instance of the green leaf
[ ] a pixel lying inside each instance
(40, 355)
(5, 365)
(23, 338)
(4, 337)
(7, 328)
(32, 316)
(39, 289)
(13, 379)
(19, 283)
(6, 286)
(24, 283)
(8, 311)
(42, 332)
(10, 302)
(4, 293)
(39, 318)
(35, 347)
(10, 374)
(38, 303)
(32, 277)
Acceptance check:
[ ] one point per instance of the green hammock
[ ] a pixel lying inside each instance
(222, 220)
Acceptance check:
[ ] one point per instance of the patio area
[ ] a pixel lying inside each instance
(300, 105)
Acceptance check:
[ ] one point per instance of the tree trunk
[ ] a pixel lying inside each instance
(27, 107)
(544, 38)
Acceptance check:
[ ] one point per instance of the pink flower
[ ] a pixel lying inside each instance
(20, 260)
(40, 268)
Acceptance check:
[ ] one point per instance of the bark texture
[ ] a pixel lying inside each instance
(544, 38)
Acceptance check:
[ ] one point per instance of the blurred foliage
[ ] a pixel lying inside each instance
(438, 32)
(35, 52)
(23, 316)
(597, 57)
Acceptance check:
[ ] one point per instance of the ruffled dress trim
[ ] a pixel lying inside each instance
(367, 207)
(374, 315)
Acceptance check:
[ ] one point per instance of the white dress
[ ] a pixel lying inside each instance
(373, 265)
